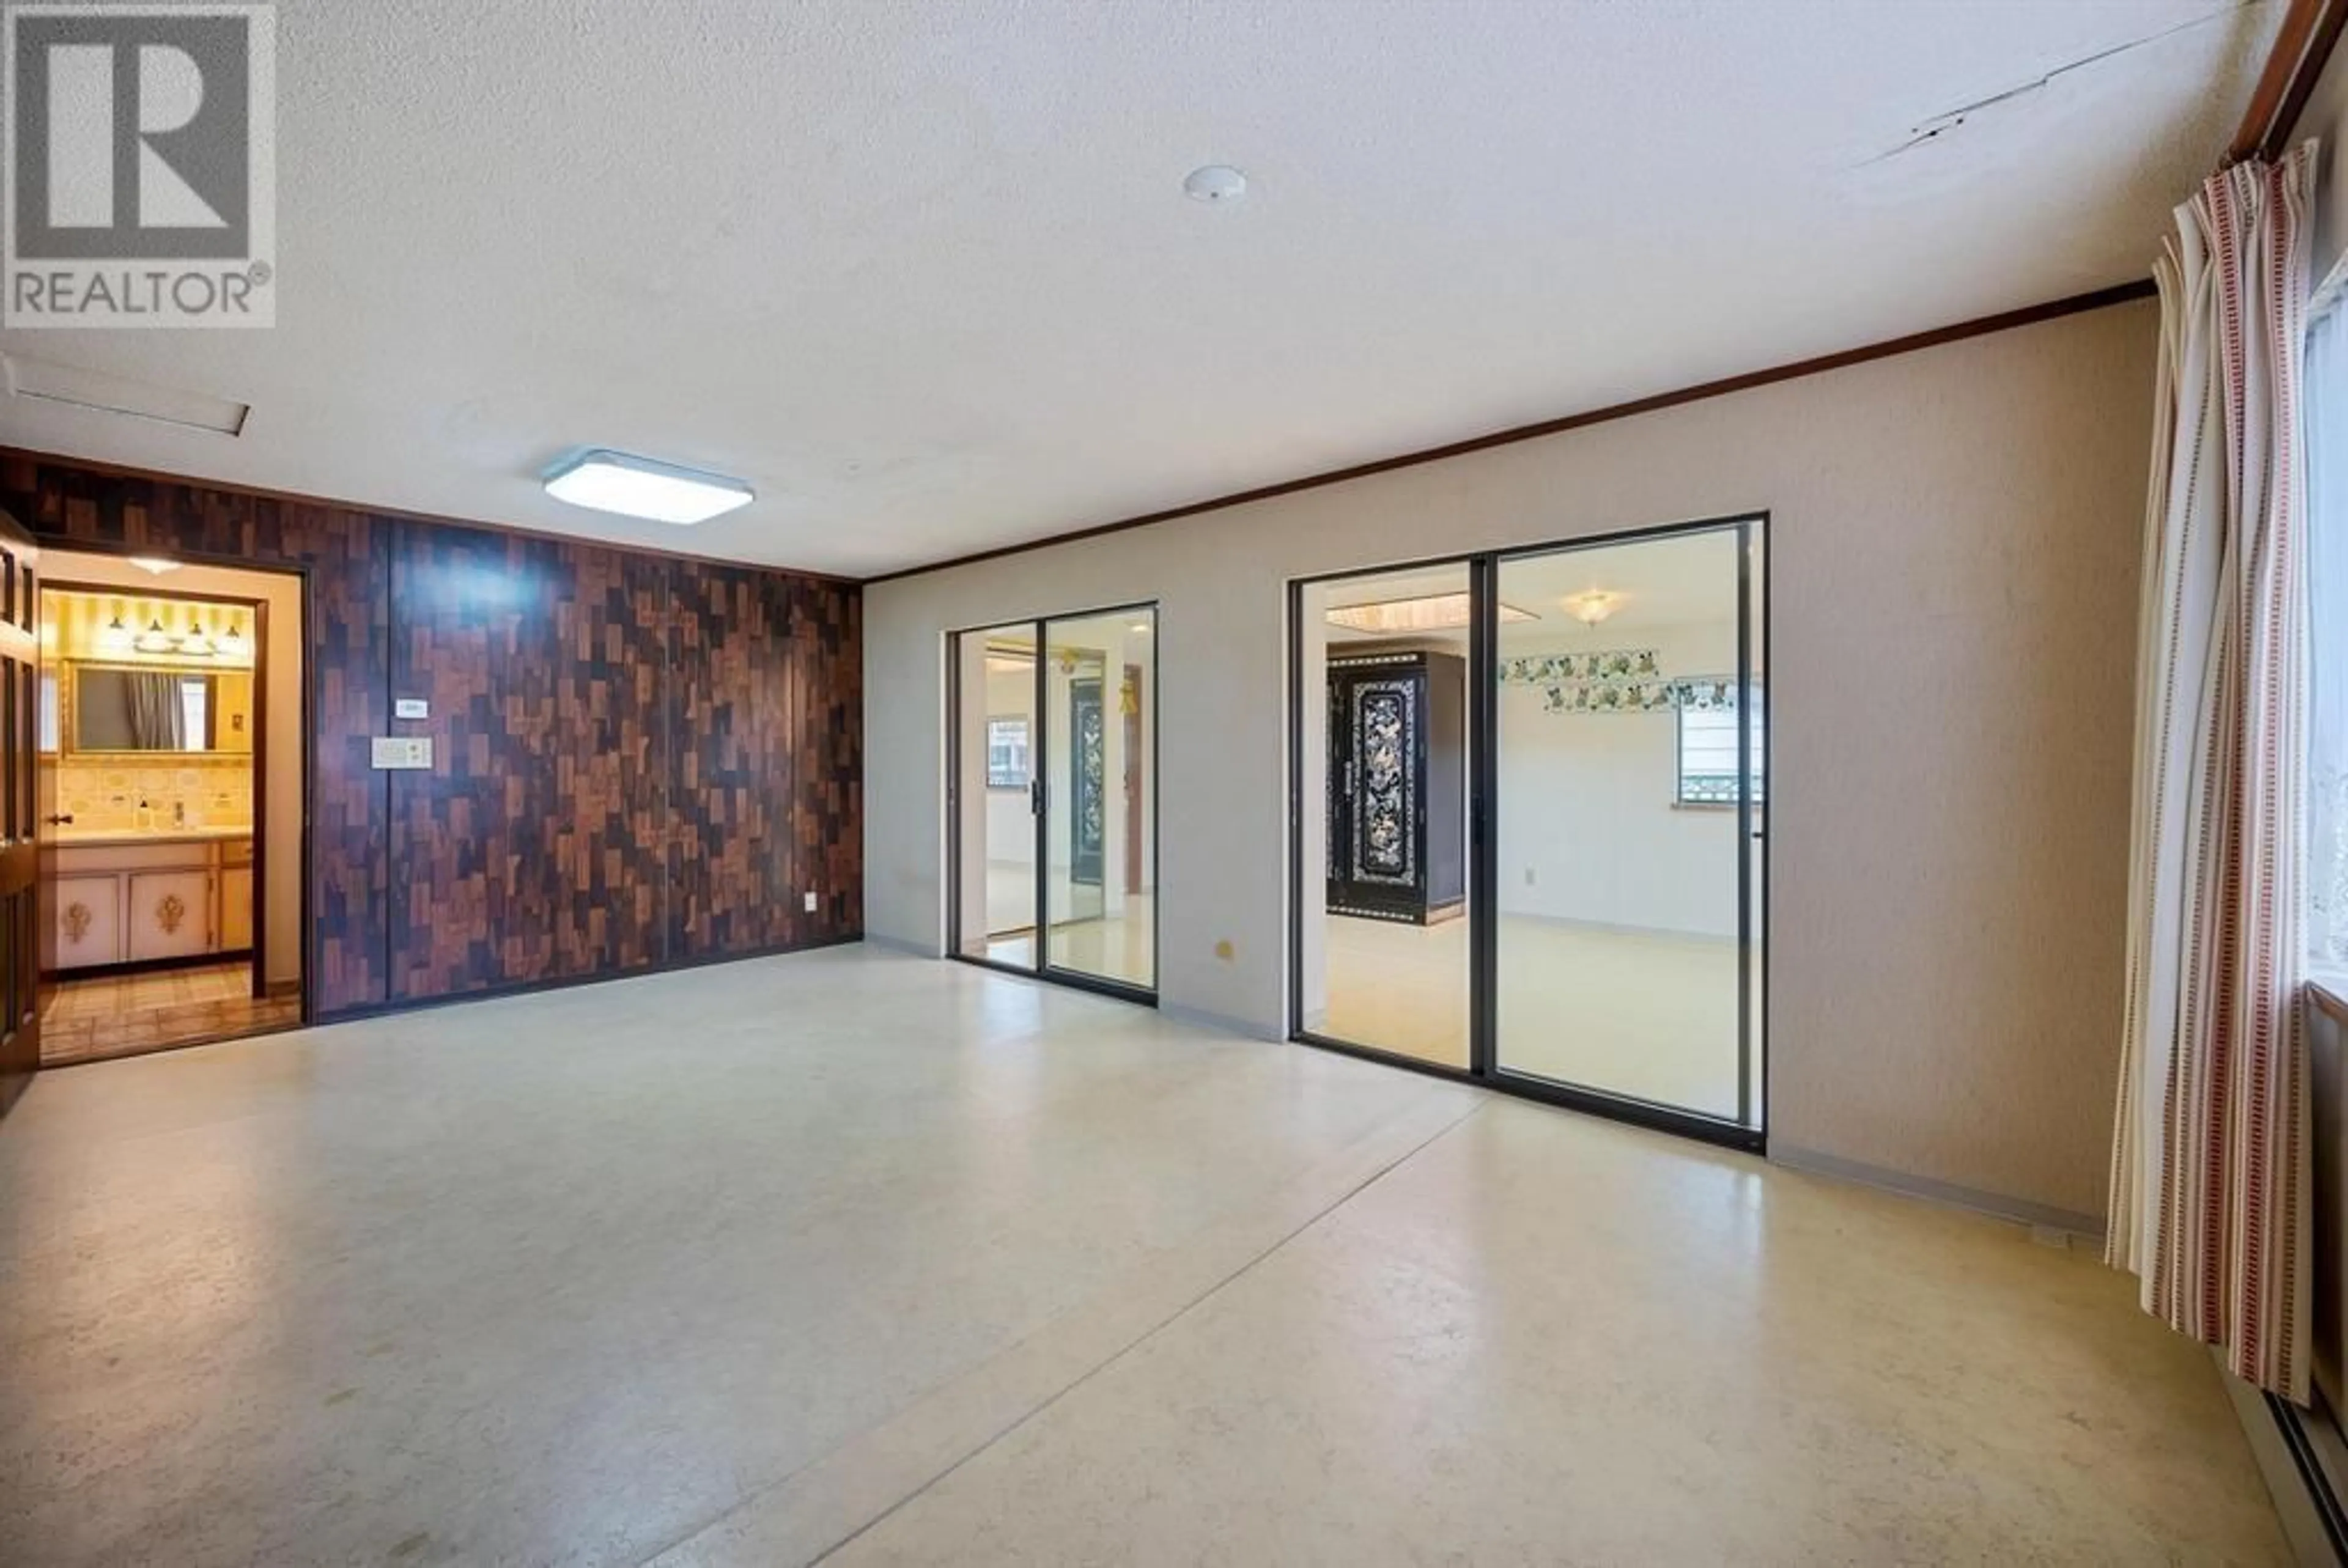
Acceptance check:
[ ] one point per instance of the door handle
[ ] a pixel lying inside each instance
(1036, 797)
(55, 820)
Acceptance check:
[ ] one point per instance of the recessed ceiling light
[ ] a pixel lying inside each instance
(158, 565)
(1215, 182)
(643, 487)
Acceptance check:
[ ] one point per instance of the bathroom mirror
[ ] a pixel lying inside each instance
(116, 708)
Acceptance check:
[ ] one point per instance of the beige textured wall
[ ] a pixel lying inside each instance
(1955, 538)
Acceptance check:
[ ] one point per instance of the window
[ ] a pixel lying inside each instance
(2327, 653)
(1006, 753)
(48, 742)
(1708, 750)
(194, 690)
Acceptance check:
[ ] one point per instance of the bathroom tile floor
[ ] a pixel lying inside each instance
(130, 1015)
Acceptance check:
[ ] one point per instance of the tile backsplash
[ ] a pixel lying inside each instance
(105, 794)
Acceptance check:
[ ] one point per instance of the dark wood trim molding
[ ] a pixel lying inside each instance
(2028, 315)
(230, 488)
(2303, 46)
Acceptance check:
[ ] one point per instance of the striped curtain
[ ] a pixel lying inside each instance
(2210, 1166)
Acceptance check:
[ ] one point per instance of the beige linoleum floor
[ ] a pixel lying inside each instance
(1651, 1015)
(907, 1262)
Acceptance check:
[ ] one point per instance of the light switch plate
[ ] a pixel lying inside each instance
(810, 903)
(410, 708)
(402, 751)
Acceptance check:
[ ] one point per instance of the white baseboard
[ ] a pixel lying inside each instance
(2282, 1444)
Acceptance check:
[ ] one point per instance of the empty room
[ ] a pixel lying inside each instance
(1352, 782)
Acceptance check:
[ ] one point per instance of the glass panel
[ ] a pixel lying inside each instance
(1100, 697)
(1384, 831)
(996, 827)
(1618, 741)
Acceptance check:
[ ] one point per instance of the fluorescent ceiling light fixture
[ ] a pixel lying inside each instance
(642, 487)
(77, 388)
(1435, 612)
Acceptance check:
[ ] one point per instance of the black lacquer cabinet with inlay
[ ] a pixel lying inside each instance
(1397, 785)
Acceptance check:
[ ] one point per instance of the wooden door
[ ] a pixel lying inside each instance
(23, 932)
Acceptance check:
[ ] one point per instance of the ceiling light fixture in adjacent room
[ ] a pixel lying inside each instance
(158, 565)
(644, 488)
(1592, 607)
(153, 639)
(1217, 183)
(1397, 616)
(195, 644)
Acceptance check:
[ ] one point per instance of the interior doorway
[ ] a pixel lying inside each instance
(1530, 790)
(170, 760)
(1051, 789)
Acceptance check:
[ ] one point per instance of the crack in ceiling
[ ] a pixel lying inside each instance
(1938, 125)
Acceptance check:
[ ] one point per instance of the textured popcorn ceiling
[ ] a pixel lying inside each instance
(923, 273)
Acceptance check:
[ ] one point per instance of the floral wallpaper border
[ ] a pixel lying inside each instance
(1616, 681)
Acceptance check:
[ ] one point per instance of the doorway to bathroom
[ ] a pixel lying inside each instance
(168, 780)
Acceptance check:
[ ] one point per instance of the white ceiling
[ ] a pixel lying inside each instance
(1678, 579)
(923, 273)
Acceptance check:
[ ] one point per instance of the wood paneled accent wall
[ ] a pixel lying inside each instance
(639, 760)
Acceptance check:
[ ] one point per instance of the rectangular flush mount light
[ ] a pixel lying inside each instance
(641, 487)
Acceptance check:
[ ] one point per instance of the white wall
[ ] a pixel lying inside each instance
(281, 935)
(1589, 831)
(1955, 536)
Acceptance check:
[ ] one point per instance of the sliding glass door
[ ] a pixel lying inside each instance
(1626, 783)
(1601, 784)
(1053, 795)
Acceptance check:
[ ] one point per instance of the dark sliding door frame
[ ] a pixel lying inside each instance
(1747, 1131)
(1040, 805)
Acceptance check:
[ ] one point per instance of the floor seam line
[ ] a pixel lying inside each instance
(1352, 1191)
(1154, 1329)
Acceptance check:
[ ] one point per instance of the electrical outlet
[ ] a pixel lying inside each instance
(810, 903)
